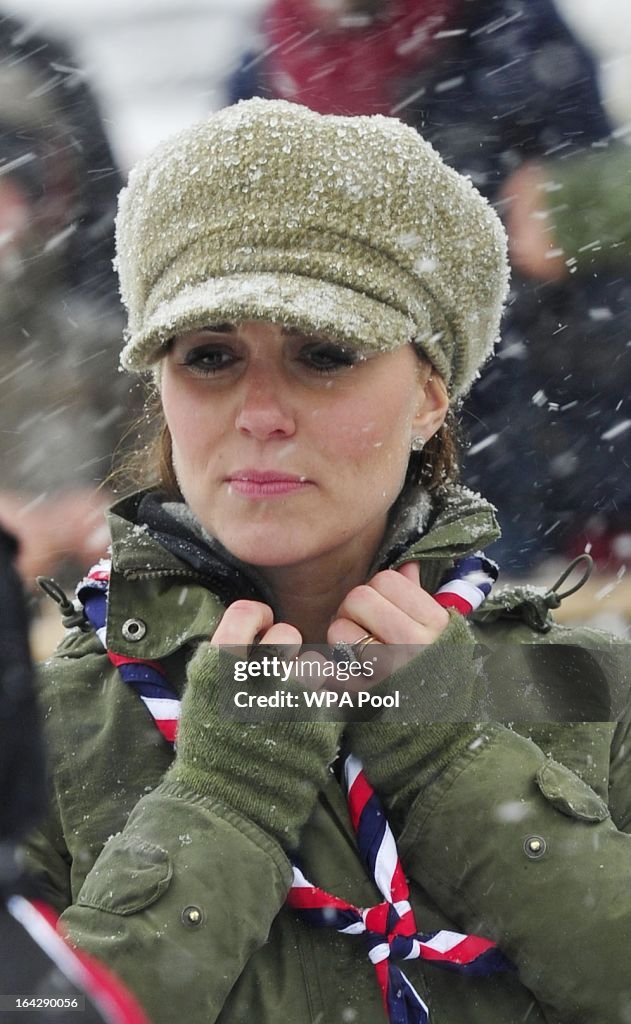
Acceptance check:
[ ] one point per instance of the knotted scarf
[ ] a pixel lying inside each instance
(389, 928)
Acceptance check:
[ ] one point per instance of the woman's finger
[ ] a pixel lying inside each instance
(310, 671)
(378, 660)
(384, 619)
(242, 622)
(406, 594)
(345, 631)
(411, 571)
(282, 634)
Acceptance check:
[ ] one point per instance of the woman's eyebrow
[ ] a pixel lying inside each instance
(298, 332)
(219, 328)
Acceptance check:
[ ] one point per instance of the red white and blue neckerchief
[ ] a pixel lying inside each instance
(468, 584)
(389, 928)
(147, 678)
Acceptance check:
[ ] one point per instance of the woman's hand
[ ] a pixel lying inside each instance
(247, 622)
(393, 608)
(267, 765)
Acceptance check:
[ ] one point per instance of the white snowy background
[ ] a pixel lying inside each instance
(158, 65)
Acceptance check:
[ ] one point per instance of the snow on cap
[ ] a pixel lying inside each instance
(352, 227)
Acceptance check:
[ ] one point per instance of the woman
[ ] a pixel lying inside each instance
(60, 318)
(276, 264)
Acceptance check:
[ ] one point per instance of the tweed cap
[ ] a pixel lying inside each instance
(352, 227)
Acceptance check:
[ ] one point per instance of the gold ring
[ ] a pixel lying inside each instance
(358, 646)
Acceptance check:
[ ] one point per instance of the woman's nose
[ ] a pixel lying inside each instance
(264, 412)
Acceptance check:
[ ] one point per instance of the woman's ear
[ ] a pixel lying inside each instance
(433, 407)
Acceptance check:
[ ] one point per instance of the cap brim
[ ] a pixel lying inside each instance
(302, 302)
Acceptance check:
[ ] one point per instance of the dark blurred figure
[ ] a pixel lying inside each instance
(568, 215)
(60, 321)
(34, 959)
(22, 788)
(492, 84)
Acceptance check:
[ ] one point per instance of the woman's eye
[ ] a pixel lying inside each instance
(327, 357)
(209, 359)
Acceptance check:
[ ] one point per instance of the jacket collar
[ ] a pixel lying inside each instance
(179, 604)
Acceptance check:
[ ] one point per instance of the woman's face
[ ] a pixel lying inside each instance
(289, 447)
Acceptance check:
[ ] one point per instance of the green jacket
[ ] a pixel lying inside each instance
(126, 854)
(590, 206)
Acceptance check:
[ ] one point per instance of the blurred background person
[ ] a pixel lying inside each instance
(492, 83)
(35, 960)
(564, 215)
(60, 323)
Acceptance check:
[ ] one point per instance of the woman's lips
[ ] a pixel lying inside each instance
(253, 483)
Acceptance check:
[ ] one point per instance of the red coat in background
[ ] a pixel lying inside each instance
(341, 61)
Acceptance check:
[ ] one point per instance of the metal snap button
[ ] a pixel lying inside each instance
(134, 629)
(535, 847)
(192, 917)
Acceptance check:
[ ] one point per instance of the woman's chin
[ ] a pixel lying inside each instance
(260, 550)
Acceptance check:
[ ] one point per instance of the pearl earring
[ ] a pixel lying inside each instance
(417, 443)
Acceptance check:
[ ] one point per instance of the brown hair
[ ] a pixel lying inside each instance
(439, 462)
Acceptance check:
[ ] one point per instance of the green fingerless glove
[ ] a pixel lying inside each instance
(405, 750)
(270, 771)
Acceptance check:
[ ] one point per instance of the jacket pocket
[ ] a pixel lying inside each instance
(129, 875)
(569, 794)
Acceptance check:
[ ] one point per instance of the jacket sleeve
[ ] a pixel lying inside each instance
(175, 904)
(514, 845)
(620, 775)
(186, 888)
(179, 900)
(591, 206)
(47, 862)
